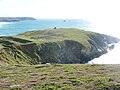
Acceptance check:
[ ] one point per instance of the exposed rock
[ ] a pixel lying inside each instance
(70, 46)
(111, 47)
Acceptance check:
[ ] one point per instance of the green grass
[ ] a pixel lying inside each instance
(60, 77)
(60, 34)
(14, 39)
(8, 41)
(49, 35)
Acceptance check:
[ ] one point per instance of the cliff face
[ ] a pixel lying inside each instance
(15, 19)
(54, 46)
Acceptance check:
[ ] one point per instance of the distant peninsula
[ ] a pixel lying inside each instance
(15, 19)
(60, 45)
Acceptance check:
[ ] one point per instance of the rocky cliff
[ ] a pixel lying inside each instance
(15, 19)
(54, 46)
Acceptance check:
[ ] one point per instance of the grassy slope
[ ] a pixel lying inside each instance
(60, 34)
(60, 77)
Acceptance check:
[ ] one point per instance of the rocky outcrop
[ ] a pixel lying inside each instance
(64, 50)
(15, 19)
(67, 51)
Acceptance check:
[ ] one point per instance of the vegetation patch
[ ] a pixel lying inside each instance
(56, 77)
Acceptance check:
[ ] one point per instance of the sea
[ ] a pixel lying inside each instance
(14, 28)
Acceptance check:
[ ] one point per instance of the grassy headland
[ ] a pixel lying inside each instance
(61, 45)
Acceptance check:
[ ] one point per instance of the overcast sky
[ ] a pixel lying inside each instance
(105, 14)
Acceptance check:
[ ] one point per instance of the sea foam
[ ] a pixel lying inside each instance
(3, 23)
(112, 57)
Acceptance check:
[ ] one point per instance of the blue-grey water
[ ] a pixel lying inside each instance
(14, 28)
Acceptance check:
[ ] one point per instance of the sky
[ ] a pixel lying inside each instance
(103, 14)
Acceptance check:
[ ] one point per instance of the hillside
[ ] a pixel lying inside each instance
(54, 46)
(60, 77)
(15, 19)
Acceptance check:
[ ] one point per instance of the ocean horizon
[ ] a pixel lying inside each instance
(14, 28)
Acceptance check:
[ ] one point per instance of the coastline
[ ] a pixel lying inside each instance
(112, 57)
